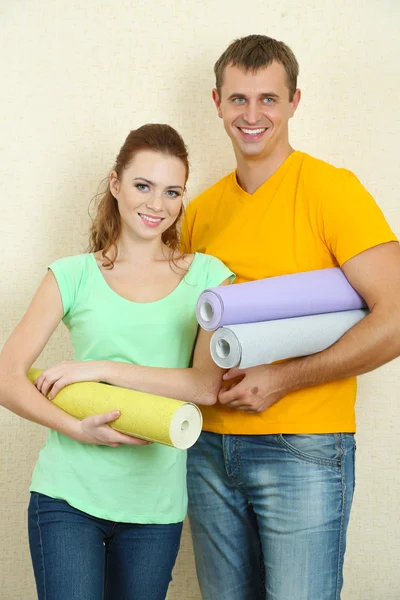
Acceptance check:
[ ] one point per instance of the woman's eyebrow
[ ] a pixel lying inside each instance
(152, 183)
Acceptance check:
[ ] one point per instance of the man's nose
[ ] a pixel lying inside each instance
(252, 114)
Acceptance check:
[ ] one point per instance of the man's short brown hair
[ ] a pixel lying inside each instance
(255, 52)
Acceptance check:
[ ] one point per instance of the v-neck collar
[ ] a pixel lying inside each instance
(269, 186)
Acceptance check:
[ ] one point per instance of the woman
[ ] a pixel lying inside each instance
(106, 510)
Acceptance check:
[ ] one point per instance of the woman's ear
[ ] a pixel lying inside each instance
(114, 184)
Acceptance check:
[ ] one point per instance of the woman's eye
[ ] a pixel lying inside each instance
(173, 194)
(142, 187)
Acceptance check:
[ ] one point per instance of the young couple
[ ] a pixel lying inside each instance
(270, 481)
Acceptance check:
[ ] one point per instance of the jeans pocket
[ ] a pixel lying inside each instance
(322, 449)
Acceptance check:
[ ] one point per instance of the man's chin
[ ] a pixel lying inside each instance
(252, 150)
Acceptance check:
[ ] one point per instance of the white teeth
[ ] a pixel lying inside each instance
(150, 219)
(253, 131)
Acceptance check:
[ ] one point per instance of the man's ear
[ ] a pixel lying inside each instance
(217, 101)
(114, 184)
(295, 102)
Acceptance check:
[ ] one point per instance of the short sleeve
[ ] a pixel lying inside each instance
(218, 272)
(350, 219)
(68, 273)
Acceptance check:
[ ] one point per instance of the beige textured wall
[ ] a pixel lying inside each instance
(76, 76)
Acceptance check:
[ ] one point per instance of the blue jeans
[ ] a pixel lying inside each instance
(269, 514)
(79, 557)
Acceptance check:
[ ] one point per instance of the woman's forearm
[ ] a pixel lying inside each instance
(191, 384)
(20, 396)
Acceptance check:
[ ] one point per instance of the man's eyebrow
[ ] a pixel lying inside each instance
(152, 182)
(263, 95)
(269, 95)
(236, 95)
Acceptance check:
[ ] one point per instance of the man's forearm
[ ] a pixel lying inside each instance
(191, 384)
(374, 341)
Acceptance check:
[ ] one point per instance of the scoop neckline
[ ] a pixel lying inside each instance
(132, 302)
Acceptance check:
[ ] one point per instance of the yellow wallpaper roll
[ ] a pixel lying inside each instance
(145, 416)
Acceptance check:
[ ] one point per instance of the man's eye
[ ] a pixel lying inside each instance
(239, 100)
(268, 100)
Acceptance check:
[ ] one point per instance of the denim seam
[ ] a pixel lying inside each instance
(41, 545)
(238, 461)
(105, 575)
(340, 548)
(324, 462)
(227, 459)
(338, 447)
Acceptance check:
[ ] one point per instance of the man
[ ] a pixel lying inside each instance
(271, 479)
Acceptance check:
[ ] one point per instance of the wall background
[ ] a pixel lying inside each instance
(76, 78)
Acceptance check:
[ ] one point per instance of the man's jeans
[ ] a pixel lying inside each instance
(269, 514)
(79, 557)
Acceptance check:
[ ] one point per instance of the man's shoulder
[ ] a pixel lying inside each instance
(317, 170)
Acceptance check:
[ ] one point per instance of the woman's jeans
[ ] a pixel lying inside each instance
(79, 557)
(269, 514)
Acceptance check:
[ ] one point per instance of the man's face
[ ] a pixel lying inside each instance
(255, 108)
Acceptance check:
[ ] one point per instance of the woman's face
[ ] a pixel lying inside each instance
(149, 193)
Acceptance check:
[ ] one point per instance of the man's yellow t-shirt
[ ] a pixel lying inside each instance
(308, 215)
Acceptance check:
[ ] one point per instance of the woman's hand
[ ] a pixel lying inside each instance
(52, 380)
(95, 430)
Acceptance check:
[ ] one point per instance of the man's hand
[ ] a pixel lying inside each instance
(259, 388)
(52, 380)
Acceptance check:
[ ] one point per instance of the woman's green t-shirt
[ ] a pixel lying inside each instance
(131, 484)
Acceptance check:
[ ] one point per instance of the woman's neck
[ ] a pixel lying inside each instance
(133, 249)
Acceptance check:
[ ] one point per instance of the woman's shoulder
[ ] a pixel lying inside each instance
(74, 261)
(71, 273)
(208, 271)
(185, 261)
(207, 259)
(73, 270)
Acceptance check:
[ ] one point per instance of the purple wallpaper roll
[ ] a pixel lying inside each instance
(296, 295)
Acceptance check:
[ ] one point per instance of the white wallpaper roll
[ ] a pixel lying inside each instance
(254, 344)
